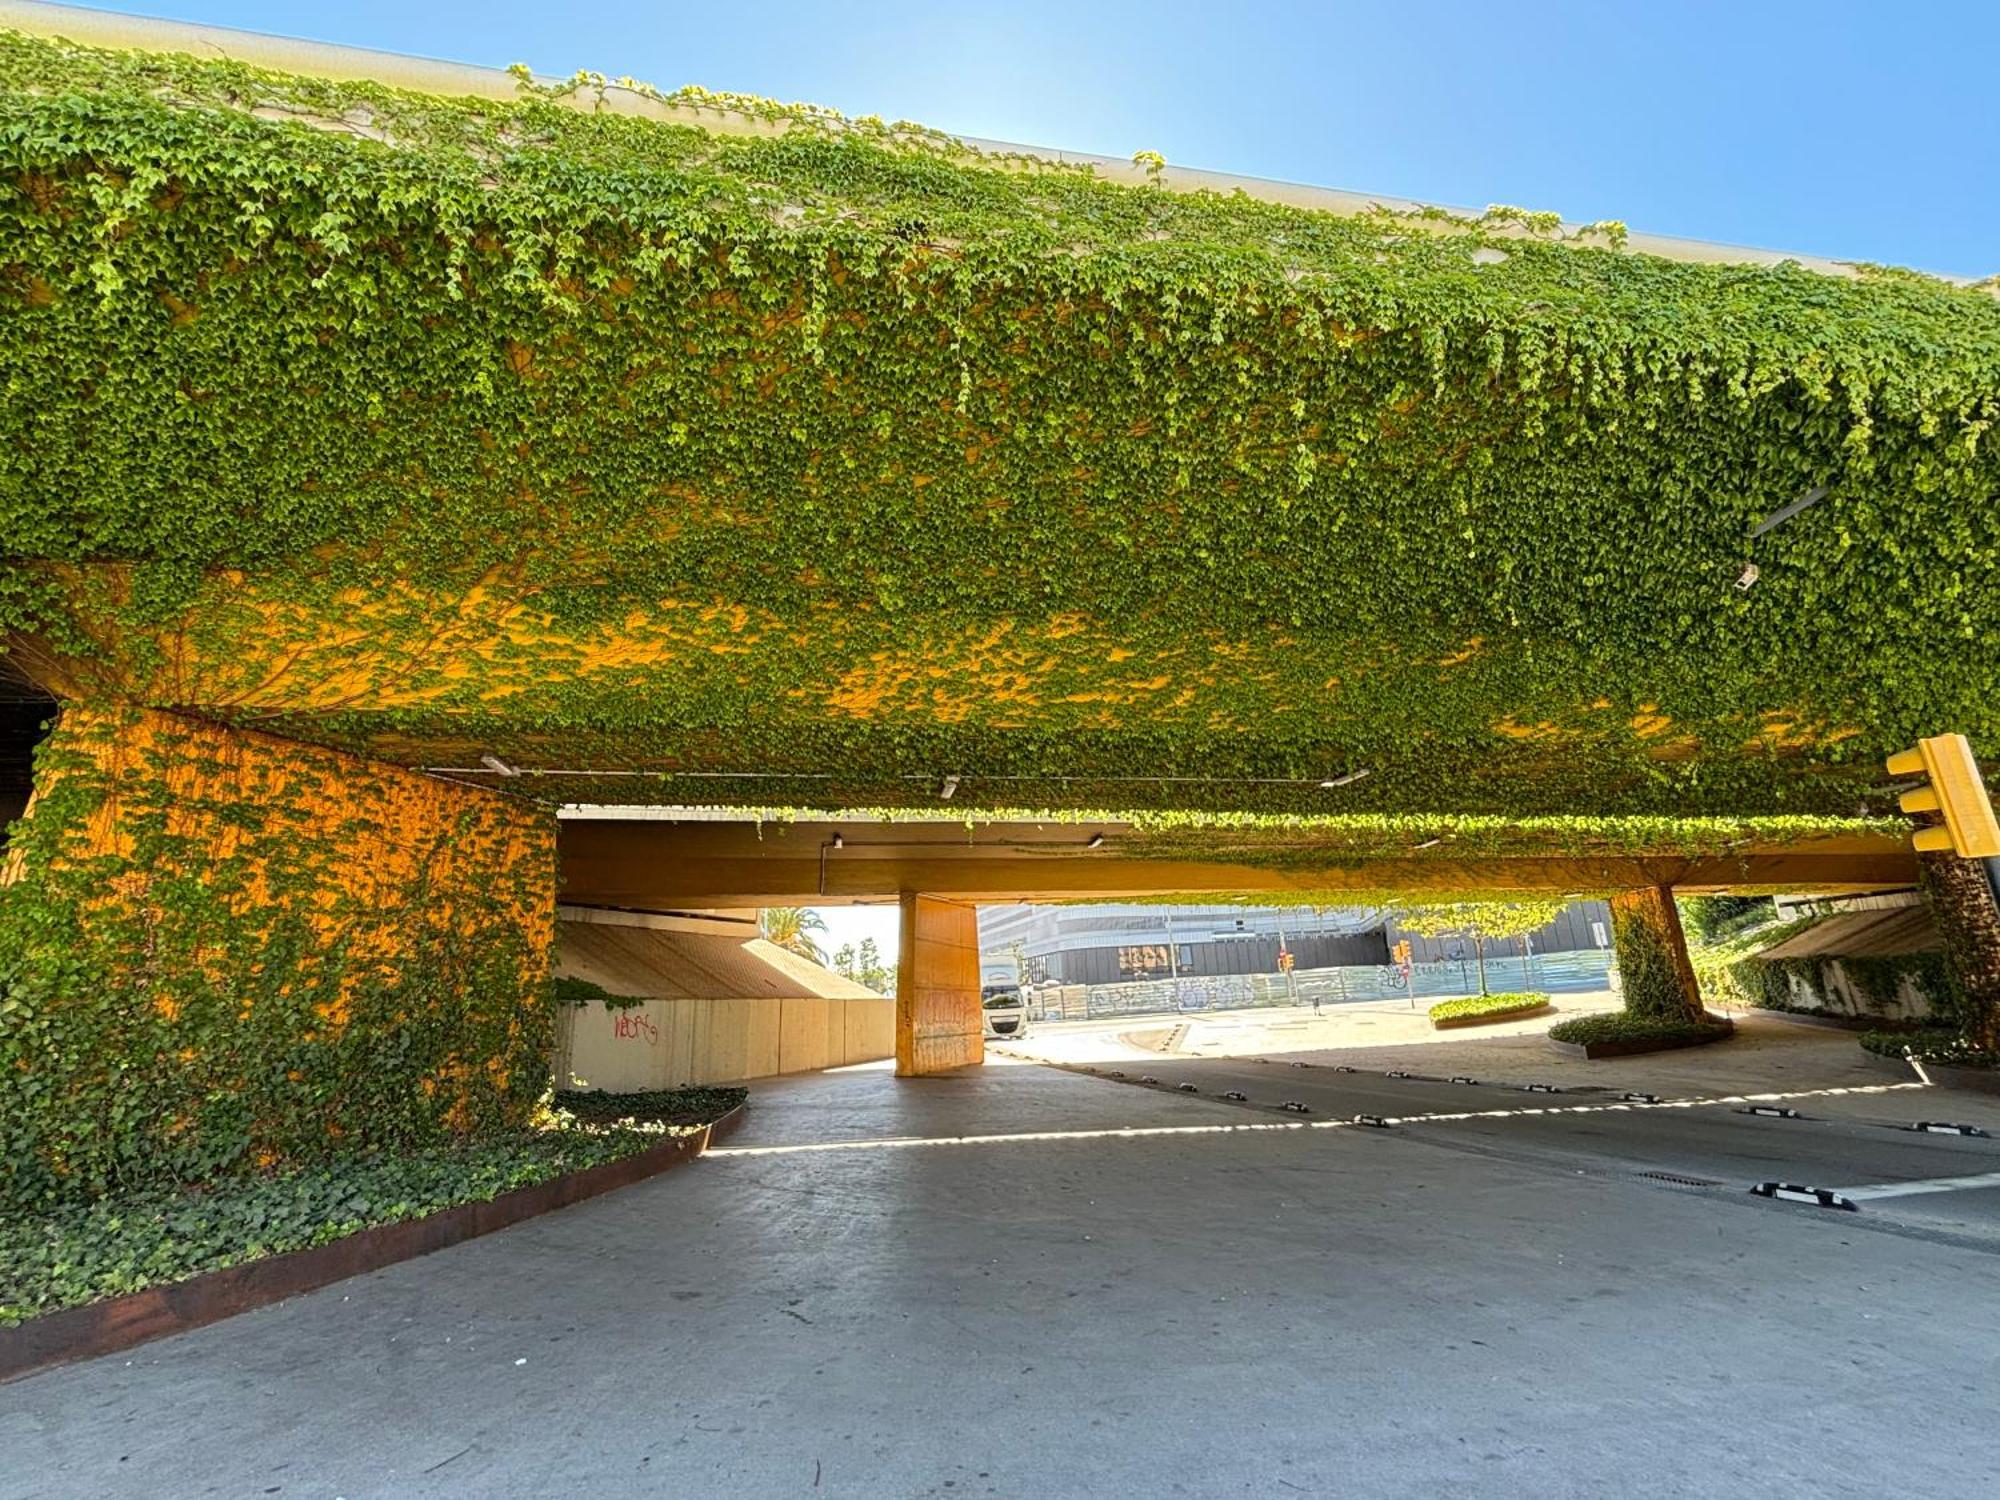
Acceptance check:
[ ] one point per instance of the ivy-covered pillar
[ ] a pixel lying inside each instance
(222, 950)
(1653, 963)
(939, 1022)
(1961, 902)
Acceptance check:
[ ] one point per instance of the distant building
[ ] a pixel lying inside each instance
(1118, 944)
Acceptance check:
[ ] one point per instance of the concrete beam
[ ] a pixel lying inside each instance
(659, 865)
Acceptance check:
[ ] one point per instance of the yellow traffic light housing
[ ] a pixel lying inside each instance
(1956, 790)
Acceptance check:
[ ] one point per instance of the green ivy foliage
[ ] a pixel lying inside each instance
(231, 985)
(1722, 968)
(72, 1253)
(1648, 975)
(1945, 1045)
(1714, 919)
(685, 1106)
(1876, 979)
(900, 461)
(1305, 842)
(1483, 920)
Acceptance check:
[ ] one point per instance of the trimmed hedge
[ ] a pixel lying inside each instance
(1489, 1007)
(1621, 1026)
(78, 1253)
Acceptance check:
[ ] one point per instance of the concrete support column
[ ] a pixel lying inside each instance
(1961, 903)
(939, 1024)
(1653, 963)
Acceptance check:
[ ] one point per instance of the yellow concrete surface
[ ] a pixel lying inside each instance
(939, 1024)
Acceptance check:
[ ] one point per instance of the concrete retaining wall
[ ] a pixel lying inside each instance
(667, 1044)
(703, 999)
(1837, 995)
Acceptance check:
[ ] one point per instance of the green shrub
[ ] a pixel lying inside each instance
(1936, 1044)
(77, 1253)
(1621, 1026)
(1488, 1005)
(695, 1106)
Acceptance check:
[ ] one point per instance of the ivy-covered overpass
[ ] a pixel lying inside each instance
(384, 470)
(788, 459)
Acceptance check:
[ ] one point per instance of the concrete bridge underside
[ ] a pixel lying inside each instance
(939, 871)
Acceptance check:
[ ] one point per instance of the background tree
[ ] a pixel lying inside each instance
(871, 971)
(843, 963)
(792, 928)
(1481, 921)
(1714, 918)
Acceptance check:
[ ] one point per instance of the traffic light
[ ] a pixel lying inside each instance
(1956, 791)
(1285, 961)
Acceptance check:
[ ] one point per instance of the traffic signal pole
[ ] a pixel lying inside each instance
(1956, 792)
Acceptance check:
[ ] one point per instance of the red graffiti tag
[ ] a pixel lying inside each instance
(633, 1026)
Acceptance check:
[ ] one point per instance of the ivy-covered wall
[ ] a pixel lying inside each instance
(1962, 904)
(1654, 970)
(221, 950)
(1891, 987)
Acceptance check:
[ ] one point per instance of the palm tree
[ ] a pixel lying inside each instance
(791, 928)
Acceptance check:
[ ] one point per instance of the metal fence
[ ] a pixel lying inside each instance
(1557, 973)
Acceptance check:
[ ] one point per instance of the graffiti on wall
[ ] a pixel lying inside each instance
(635, 1026)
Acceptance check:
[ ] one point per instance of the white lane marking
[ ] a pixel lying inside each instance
(1124, 1133)
(1923, 1185)
(1140, 1132)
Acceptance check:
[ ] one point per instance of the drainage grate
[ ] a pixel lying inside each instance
(1679, 1181)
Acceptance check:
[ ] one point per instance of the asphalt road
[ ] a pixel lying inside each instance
(1027, 1282)
(1725, 1143)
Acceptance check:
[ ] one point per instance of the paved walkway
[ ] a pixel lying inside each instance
(1217, 1311)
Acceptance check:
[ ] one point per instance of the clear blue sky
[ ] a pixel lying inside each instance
(1868, 131)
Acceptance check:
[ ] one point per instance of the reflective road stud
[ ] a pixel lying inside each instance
(1791, 1192)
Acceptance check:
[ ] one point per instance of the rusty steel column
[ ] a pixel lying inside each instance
(939, 1023)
